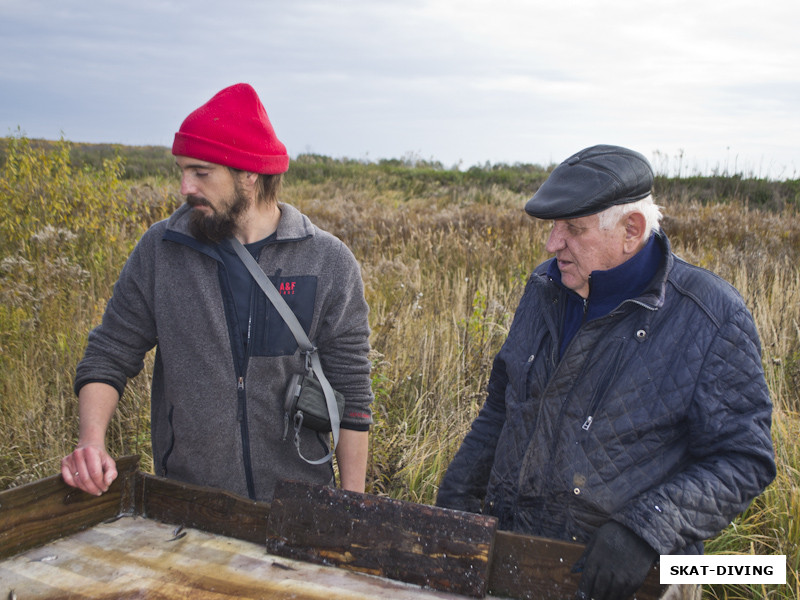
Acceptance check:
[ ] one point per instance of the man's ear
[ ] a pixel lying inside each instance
(246, 178)
(248, 182)
(635, 226)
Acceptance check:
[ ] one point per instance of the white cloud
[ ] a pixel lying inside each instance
(477, 80)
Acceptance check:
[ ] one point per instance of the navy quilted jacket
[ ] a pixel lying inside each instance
(657, 416)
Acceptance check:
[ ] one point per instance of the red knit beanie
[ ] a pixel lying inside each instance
(232, 129)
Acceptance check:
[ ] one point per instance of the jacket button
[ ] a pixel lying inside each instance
(576, 491)
(641, 334)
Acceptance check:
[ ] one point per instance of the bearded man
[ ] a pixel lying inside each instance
(224, 355)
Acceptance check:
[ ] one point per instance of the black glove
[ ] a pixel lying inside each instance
(615, 563)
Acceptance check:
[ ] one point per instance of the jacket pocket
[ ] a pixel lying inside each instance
(270, 335)
(608, 377)
(169, 445)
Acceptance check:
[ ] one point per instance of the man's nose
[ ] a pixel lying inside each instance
(556, 240)
(187, 186)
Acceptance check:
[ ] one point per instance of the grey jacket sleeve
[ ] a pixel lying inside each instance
(343, 341)
(116, 348)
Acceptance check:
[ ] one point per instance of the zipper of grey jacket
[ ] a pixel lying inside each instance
(240, 360)
(303, 342)
(241, 411)
(183, 238)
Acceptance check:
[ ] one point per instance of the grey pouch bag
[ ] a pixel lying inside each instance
(319, 393)
(305, 400)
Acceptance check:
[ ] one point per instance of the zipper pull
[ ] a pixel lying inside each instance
(240, 408)
(587, 423)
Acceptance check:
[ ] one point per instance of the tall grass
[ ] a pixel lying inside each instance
(444, 255)
(64, 234)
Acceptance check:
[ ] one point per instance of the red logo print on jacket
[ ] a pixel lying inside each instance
(287, 288)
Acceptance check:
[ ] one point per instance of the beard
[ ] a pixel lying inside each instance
(219, 224)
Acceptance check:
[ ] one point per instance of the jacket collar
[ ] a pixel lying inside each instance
(654, 294)
(292, 227)
(649, 291)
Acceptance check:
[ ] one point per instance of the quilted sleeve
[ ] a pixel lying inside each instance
(729, 422)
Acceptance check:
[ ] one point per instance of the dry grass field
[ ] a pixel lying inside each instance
(445, 256)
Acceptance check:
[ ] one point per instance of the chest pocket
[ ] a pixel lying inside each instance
(270, 335)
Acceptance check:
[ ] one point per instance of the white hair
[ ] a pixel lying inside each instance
(647, 206)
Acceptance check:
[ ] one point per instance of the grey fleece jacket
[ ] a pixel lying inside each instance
(217, 413)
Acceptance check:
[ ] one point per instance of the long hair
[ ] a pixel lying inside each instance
(267, 187)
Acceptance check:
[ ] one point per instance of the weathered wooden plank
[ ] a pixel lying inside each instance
(39, 512)
(143, 558)
(440, 549)
(208, 509)
(443, 550)
(531, 568)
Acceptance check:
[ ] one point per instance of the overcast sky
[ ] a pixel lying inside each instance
(695, 85)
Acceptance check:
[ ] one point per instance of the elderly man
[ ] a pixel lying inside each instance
(627, 409)
(225, 356)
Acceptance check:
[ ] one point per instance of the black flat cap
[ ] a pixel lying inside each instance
(591, 181)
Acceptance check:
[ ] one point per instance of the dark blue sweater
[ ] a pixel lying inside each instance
(608, 289)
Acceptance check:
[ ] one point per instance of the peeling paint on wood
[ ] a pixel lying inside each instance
(433, 547)
(138, 558)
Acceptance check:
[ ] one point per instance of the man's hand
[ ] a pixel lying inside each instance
(89, 468)
(615, 563)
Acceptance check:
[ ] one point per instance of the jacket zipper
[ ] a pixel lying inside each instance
(168, 451)
(593, 405)
(241, 415)
(601, 389)
(588, 422)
